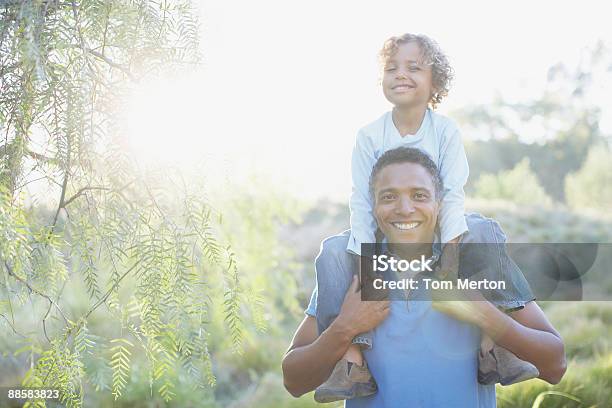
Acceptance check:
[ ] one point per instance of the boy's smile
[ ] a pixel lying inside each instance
(402, 88)
(407, 80)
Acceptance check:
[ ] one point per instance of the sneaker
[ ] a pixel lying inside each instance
(499, 365)
(347, 381)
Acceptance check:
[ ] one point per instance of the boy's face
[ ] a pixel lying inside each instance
(405, 204)
(407, 81)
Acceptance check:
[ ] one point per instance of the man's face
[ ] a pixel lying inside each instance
(406, 207)
(407, 81)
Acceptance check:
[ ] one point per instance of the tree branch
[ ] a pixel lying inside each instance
(11, 325)
(87, 188)
(108, 293)
(40, 157)
(82, 191)
(34, 290)
(112, 63)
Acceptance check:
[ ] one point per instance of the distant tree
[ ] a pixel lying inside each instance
(591, 186)
(65, 68)
(519, 185)
(555, 131)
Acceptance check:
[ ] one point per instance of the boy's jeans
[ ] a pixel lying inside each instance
(335, 268)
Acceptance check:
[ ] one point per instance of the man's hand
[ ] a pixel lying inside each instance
(358, 316)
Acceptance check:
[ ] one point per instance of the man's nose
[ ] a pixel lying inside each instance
(404, 206)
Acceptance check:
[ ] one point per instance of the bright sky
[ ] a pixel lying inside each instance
(286, 85)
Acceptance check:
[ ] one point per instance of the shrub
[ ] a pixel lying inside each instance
(519, 185)
(591, 186)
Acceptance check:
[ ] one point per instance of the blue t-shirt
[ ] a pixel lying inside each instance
(423, 358)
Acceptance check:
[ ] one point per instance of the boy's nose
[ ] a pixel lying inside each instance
(401, 74)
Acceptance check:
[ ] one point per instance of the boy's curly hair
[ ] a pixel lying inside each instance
(441, 72)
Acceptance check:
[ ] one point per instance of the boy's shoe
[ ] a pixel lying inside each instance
(347, 381)
(499, 365)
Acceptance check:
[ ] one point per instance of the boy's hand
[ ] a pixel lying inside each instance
(359, 316)
(465, 305)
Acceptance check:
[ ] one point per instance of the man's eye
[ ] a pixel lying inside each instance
(420, 196)
(387, 197)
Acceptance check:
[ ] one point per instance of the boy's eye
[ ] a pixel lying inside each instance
(414, 69)
(390, 68)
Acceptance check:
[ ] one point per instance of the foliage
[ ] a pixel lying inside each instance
(149, 262)
(540, 224)
(589, 381)
(554, 130)
(519, 185)
(591, 186)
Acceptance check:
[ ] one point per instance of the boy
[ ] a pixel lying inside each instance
(416, 75)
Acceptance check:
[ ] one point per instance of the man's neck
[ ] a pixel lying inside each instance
(410, 251)
(408, 120)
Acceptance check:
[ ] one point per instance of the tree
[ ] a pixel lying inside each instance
(66, 67)
(555, 130)
(591, 186)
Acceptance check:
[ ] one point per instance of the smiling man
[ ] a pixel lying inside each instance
(423, 356)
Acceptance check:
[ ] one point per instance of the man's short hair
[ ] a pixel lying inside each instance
(408, 155)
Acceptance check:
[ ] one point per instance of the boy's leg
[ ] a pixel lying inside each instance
(335, 268)
(482, 249)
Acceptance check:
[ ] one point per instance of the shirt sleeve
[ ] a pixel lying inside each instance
(311, 310)
(454, 171)
(363, 224)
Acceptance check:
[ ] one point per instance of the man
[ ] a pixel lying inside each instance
(423, 356)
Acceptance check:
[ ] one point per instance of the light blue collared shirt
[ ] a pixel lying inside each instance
(439, 137)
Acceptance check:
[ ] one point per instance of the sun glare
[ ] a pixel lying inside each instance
(164, 124)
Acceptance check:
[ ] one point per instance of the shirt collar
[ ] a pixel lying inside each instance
(436, 248)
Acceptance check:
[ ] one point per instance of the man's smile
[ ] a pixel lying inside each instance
(406, 225)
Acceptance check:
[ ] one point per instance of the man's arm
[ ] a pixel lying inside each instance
(311, 358)
(526, 332)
